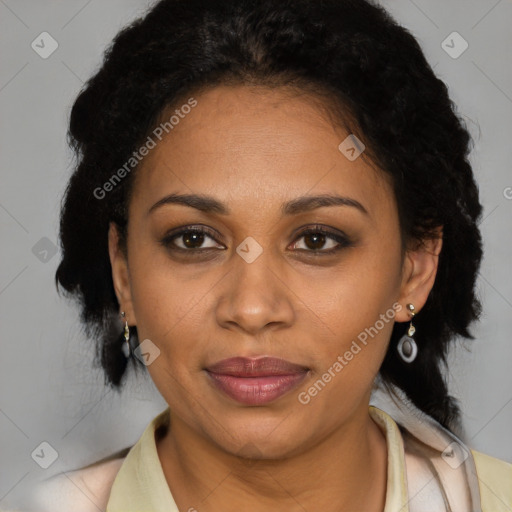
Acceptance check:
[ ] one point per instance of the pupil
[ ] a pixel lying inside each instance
(192, 238)
(319, 240)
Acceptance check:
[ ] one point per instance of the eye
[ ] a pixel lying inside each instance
(316, 237)
(192, 239)
(189, 239)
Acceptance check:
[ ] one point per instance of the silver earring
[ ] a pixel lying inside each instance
(126, 345)
(407, 348)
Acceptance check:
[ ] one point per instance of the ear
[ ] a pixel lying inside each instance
(120, 274)
(418, 274)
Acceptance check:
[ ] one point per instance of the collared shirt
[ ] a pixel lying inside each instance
(429, 470)
(140, 484)
(415, 483)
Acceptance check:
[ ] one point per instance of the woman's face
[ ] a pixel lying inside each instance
(252, 284)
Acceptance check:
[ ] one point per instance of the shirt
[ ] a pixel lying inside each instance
(429, 470)
(140, 484)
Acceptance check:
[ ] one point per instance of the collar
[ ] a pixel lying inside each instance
(140, 484)
(440, 471)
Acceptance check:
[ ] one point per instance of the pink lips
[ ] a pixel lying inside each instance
(255, 381)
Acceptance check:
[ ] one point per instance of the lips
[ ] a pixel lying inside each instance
(255, 381)
(260, 367)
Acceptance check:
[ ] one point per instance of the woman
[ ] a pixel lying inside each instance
(274, 214)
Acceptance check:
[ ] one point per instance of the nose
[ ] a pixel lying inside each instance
(255, 296)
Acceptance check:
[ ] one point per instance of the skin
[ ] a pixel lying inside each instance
(253, 149)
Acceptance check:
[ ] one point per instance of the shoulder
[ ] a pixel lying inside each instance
(81, 490)
(495, 482)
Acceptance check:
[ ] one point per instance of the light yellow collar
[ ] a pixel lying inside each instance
(396, 489)
(140, 484)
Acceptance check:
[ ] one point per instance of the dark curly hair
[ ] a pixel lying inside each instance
(371, 76)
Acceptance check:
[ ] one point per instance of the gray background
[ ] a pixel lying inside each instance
(48, 388)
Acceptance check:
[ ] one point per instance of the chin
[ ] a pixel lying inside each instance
(265, 444)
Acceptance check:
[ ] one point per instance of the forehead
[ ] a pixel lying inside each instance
(246, 145)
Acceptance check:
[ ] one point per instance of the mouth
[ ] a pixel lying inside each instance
(255, 381)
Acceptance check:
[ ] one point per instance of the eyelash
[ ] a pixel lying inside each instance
(343, 240)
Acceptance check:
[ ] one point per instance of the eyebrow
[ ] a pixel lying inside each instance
(295, 206)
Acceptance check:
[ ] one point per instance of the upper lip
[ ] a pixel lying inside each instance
(255, 367)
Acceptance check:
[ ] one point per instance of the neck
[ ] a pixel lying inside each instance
(347, 470)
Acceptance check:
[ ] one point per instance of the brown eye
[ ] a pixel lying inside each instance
(190, 239)
(315, 240)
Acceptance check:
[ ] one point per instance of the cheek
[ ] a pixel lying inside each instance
(357, 317)
(363, 286)
(357, 341)
(168, 314)
(169, 304)
(347, 361)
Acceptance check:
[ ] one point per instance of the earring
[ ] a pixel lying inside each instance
(126, 345)
(407, 348)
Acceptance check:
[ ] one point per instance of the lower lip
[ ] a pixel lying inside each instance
(256, 390)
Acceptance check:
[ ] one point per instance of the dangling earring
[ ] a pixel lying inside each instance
(126, 345)
(407, 348)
